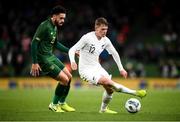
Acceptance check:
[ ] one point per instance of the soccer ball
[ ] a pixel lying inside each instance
(133, 105)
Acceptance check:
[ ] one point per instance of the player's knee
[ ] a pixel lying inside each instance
(70, 76)
(105, 81)
(109, 91)
(63, 80)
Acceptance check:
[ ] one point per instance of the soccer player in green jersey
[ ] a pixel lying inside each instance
(43, 43)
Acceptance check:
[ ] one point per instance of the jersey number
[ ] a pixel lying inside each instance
(92, 49)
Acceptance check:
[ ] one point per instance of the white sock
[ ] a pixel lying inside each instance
(121, 88)
(105, 100)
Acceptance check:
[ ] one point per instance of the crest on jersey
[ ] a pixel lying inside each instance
(103, 46)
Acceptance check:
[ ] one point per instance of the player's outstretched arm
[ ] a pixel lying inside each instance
(111, 50)
(61, 47)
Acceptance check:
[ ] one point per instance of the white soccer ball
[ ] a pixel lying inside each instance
(133, 105)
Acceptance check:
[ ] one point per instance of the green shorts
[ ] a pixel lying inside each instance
(50, 65)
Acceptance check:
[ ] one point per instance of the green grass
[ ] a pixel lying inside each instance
(31, 104)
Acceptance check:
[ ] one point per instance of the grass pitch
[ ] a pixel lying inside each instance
(32, 105)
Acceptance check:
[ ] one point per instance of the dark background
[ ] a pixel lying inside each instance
(144, 32)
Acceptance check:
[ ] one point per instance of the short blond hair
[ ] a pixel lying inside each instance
(101, 21)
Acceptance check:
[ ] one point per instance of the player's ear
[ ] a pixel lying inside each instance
(96, 26)
(54, 16)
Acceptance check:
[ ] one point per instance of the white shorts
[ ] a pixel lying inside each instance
(93, 75)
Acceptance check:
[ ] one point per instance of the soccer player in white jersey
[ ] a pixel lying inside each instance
(90, 47)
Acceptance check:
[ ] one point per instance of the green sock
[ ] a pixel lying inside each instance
(55, 99)
(59, 91)
(65, 93)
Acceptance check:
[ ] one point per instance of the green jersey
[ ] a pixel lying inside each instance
(45, 40)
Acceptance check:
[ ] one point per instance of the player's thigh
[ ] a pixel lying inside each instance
(58, 63)
(56, 73)
(61, 66)
(63, 78)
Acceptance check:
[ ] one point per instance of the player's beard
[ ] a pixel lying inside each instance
(59, 24)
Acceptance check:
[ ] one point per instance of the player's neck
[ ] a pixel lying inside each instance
(98, 37)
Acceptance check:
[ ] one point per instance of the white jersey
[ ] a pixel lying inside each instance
(90, 48)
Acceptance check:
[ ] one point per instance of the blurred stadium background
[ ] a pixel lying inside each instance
(144, 32)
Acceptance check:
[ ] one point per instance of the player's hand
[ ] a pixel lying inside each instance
(124, 73)
(35, 68)
(74, 66)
